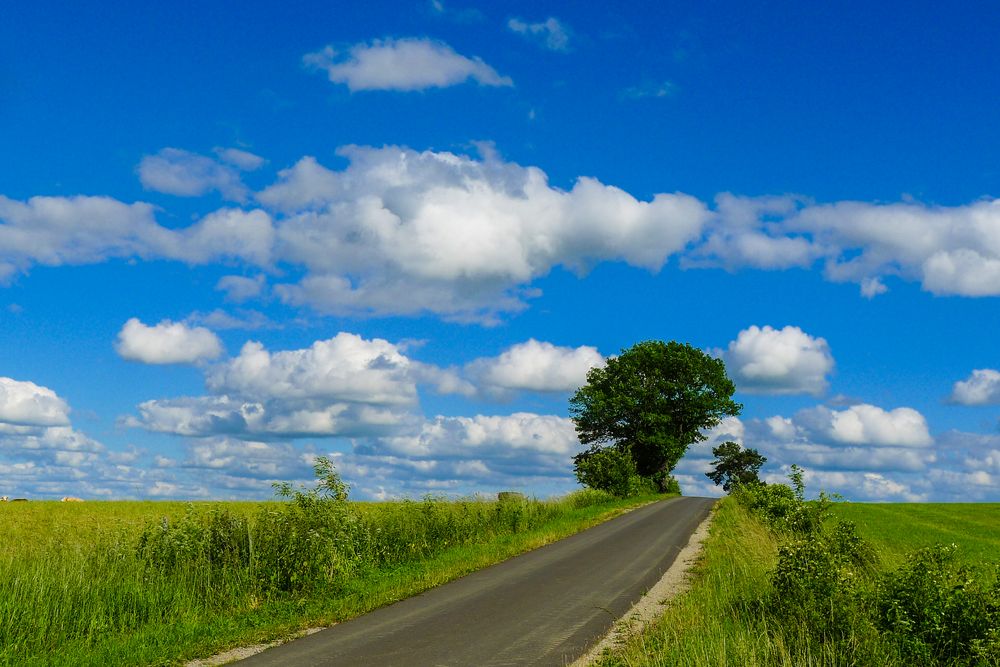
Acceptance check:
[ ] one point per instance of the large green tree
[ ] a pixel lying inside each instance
(652, 402)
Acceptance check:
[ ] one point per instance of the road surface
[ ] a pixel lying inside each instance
(545, 607)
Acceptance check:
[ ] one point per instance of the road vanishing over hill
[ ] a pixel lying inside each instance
(544, 607)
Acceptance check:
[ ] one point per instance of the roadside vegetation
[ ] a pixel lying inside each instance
(150, 583)
(786, 581)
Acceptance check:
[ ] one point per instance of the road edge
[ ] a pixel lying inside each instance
(674, 582)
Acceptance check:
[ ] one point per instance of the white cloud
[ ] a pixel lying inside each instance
(779, 361)
(240, 319)
(166, 343)
(28, 404)
(536, 366)
(227, 233)
(551, 33)
(241, 288)
(405, 232)
(343, 386)
(346, 367)
(55, 231)
(981, 388)
(861, 424)
(871, 425)
(241, 159)
(178, 172)
(402, 64)
(949, 250)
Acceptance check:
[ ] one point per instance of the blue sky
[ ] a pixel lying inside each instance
(234, 236)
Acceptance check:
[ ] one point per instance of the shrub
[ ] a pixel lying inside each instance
(937, 612)
(608, 469)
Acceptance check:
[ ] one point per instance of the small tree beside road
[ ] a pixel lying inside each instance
(651, 403)
(735, 466)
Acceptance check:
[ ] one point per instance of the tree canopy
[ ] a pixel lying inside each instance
(652, 402)
(735, 466)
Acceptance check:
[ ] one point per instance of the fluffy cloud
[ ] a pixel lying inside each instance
(950, 250)
(41, 454)
(981, 388)
(179, 172)
(166, 343)
(536, 366)
(863, 452)
(779, 361)
(551, 33)
(27, 404)
(404, 232)
(861, 424)
(54, 231)
(402, 64)
(346, 367)
(344, 386)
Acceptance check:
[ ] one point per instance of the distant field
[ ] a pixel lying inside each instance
(897, 529)
(35, 525)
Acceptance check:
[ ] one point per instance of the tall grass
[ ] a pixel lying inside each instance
(781, 587)
(184, 585)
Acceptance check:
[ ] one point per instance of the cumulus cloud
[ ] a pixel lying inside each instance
(166, 343)
(42, 455)
(949, 250)
(402, 64)
(343, 386)
(863, 452)
(536, 366)
(56, 231)
(401, 231)
(550, 33)
(861, 424)
(779, 361)
(28, 404)
(981, 388)
(346, 367)
(178, 172)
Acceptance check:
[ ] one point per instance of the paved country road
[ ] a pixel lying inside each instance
(545, 607)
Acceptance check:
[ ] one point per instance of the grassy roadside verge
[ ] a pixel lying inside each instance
(885, 596)
(201, 620)
(709, 625)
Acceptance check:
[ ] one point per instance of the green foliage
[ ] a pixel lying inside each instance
(826, 584)
(785, 507)
(939, 613)
(608, 469)
(652, 402)
(735, 466)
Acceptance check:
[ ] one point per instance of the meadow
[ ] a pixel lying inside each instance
(764, 597)
(158, 583)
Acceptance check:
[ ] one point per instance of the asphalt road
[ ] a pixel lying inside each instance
(545, 607)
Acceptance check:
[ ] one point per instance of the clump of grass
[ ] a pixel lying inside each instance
(217, 575)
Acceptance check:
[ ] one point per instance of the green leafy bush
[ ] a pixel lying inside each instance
(938, 613)
(608, 469)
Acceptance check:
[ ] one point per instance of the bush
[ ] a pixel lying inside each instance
(608, 469)
(939, 613)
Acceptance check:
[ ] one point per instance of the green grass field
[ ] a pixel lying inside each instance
(721, 621)
(898, 529)
(141, 583)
